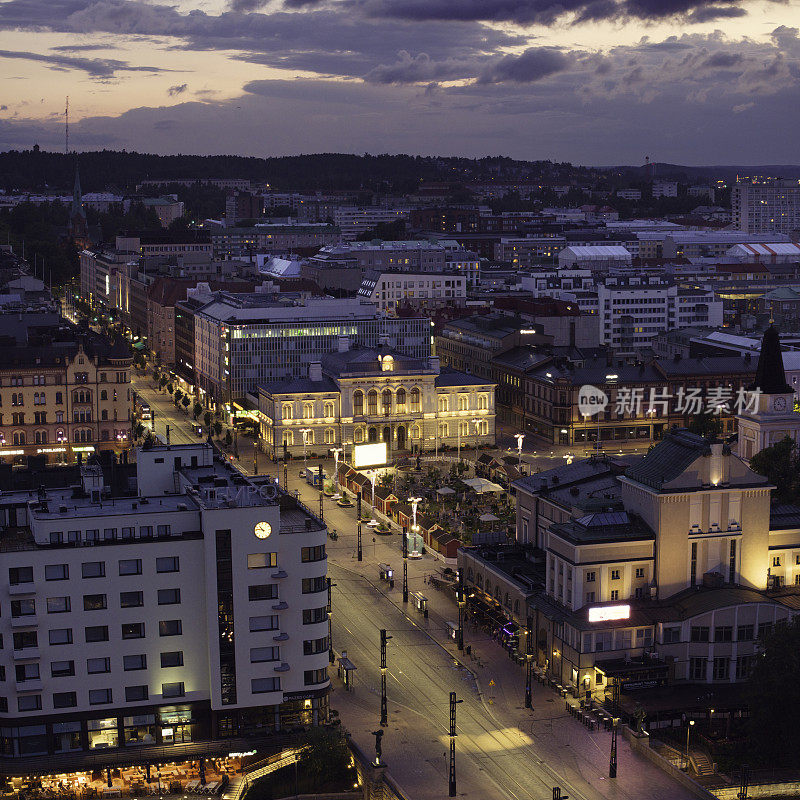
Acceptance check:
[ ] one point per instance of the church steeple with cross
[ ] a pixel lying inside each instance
(773, 418)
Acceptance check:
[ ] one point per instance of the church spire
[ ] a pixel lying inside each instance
(770, 374)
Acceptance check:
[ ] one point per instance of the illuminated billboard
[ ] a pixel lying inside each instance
(609, 613)
(370, 455)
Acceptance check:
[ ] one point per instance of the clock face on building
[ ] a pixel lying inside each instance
(262, 530)
(779, 404)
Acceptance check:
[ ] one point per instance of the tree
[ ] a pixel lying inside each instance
(228, 438)
(772, 690)
(207, 419)
(780, 465)
(706, 425)
(176, 398)
(138, 431)
(170, 388)
(186, 401)
(218, 428)
(197, 410)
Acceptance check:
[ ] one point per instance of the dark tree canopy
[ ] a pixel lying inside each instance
(774, 693)
(780, 464)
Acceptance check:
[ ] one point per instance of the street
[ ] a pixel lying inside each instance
(503, 750)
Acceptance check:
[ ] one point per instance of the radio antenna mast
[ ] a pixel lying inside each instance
(66, 128)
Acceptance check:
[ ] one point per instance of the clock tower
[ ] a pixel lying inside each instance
(774, 417)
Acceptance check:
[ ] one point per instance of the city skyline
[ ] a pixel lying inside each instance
(603, 83)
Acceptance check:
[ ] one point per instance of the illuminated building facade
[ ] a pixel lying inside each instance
(194, 610)
(669, 570)
(362, 395)
(244, 341)
(63, 396)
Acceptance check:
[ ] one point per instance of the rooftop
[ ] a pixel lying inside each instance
(669, 458)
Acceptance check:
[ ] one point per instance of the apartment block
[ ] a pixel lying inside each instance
(193, 610)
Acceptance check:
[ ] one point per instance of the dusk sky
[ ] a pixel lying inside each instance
(589, 81)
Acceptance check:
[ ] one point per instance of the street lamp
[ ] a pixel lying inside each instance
(372, 476)
(415, 501)
(305, 432)
(476, 422)
(336, 451)
(519, 437)
(688, 730)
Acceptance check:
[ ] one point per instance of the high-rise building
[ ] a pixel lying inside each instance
(767, 207)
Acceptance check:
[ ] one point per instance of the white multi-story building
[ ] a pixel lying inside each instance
(767, 207)
(632, 312)
(194, 610)
(353, 221)
(419, 290)
(664, 189)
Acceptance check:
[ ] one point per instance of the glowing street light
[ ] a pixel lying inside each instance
(519, 437)
(415, 501)
(305, 432)
(336, 451)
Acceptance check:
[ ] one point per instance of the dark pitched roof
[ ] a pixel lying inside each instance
(669, 458)
(770, 375)
(452, 377)
(300, 386)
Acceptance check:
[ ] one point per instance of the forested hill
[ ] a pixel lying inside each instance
(121, 170)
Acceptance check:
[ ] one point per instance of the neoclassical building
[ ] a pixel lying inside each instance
(360, 395)
(666, 571)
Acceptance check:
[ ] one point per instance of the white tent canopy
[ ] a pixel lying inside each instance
(445, 490)
(489, 518)
(481, 485)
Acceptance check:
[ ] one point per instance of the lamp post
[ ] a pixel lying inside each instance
(688, 731)
(529, 664)
(336, 451)
(476, 423)
(384, 707)
(415, 501)
(305, 432)
(372, 476)
(519, 437)
(453, 704)
(462, 601)
(612, 764)
(458, 428)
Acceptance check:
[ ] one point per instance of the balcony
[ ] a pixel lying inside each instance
(281, 573)
(25, 621)
(27, 654)
(282, 606)
(281, 637)
(284, 667)
(29, 686)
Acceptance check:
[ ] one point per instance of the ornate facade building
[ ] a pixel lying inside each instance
(667, 571)
(362, 395)
(64, 398)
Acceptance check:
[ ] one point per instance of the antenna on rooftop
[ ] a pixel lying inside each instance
(66, 127)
